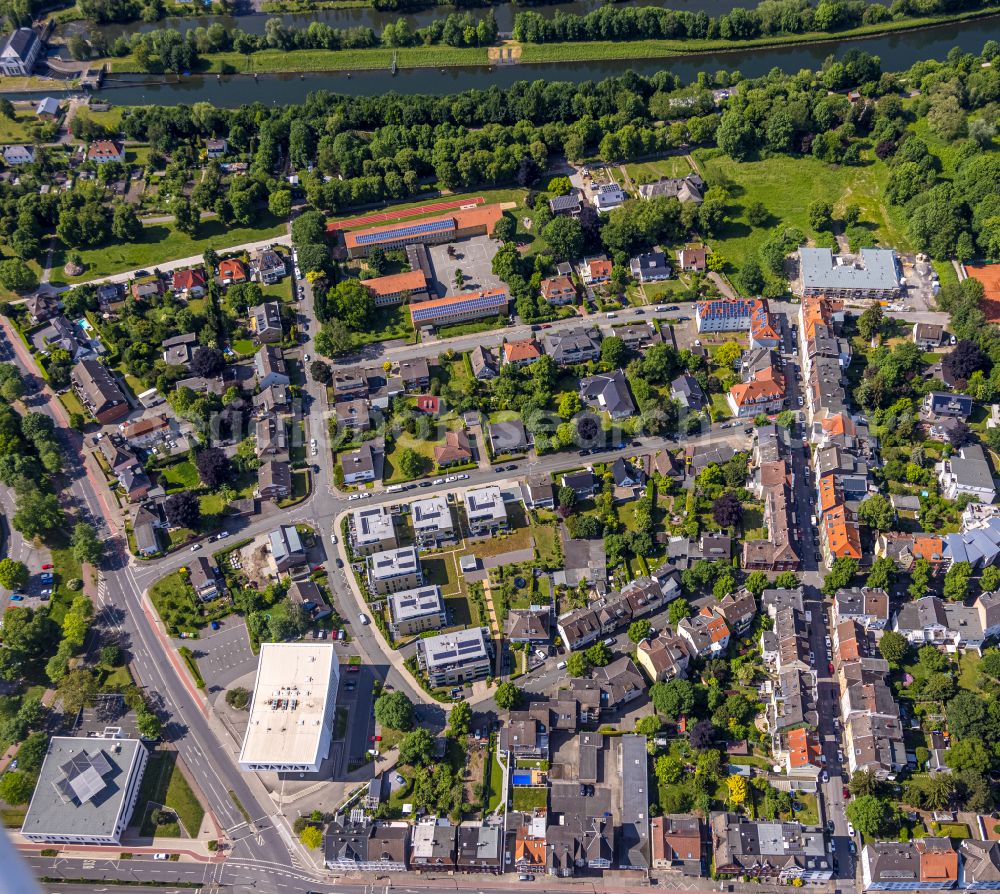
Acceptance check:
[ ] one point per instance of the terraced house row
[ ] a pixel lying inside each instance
(844, 450)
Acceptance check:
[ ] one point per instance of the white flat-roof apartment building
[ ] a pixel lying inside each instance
(291, 714)
(372, 531)
(86, 791)
(485, 510)
(432, 521)
(414, 611)
(394, 570)
(454, 658)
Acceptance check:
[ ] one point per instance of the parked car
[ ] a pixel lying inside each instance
(16, 597)
(161, 856)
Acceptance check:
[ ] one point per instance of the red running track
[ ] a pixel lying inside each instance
(390, 216)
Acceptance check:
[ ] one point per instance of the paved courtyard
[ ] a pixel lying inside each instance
(474, 257)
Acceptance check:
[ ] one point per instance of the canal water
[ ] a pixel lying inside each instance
(897, 52)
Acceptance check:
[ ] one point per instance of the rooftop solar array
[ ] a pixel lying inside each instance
(422, 228)
(430, 310)
(83, 777)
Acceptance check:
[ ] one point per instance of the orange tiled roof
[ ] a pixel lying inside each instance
(828, 496)
(394, 283)
(600, 268)
(803, 748)
(938, 865)
(524, 349)
(926, 546)
(555, 285)
(768, 385)
(816, 311)
(232, 269)
(839, 424)
(842, 533)
(529, 849)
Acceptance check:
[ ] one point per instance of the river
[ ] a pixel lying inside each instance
(897, 51)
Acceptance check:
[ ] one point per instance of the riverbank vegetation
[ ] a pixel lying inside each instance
(460, 39)
(769, 18)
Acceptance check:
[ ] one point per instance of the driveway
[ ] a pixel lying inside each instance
(225, 655)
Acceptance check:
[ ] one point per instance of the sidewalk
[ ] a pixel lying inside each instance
(193, 850)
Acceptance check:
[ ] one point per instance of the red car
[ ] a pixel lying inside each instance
(847, 793)
(46, 567)
(829, 666)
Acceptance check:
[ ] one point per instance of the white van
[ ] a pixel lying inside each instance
(561, 665)
(611, 315)
(395, 489)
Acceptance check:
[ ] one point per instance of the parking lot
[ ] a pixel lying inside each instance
(474, 257)
(224, 655)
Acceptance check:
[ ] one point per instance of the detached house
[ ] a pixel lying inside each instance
(98, 391)
(189, 283)
(608, 392)
(269, 366)
(270, 265)
(968, 473)
(19, 155)
(558, 290)
(706, 633)
(265, 322)
(102, 151)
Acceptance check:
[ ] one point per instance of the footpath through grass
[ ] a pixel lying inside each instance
(160, 243)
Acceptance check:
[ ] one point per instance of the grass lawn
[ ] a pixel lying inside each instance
(968, 674)
(528, 798)
(159, 243)
(211, 504)
(66, 568)
(111, 119)
(13, 817)
(668, 290)
(175, 602)
(809, 814)
(164, 784)
(720, 407)
(300, 484)
(786, 186)
(441, 570)
(72, 403)
(328, 60)
(651, 171)
(18, 129)
(547, 545)
(954, 830)
(496, 782)
(473, 327)
(403, 441)
(181, 475)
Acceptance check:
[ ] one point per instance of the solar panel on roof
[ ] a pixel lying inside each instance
(417, 229)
